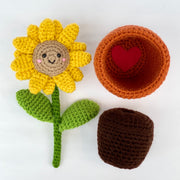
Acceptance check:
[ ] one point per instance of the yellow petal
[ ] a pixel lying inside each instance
(46, 30)
(75, 73)
(58, 28)
(78, 46)
(49, 87)
(24, 44)
(33, 32)
(22, 63)
(17, 53)
(79, 58)
(24, 75)
(68, 35)
(65, 82)
(37, 82)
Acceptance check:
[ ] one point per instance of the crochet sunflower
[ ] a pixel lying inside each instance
(50, 58)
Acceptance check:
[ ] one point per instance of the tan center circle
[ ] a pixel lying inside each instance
(51, 58)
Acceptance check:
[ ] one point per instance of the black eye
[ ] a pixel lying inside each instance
(58, 55)
(44, 55)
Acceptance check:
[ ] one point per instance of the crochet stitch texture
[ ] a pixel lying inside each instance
(124, 137)
(50, 58)
(40, 107)
(144, 77)
(35, 57)
(37, 106)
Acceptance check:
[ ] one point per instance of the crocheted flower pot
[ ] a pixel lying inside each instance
(124, 137)
(131, 61)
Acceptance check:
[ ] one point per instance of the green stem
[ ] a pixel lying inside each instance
(57, 134)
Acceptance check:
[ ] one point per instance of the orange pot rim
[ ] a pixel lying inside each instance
(118, 34)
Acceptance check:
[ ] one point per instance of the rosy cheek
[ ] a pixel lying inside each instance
(63, 59)
(39, 60)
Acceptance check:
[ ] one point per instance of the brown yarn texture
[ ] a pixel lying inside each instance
(144, 77)
(124, 137)
(51, 65)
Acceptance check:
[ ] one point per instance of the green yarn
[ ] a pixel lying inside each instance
(57, 134)
(37, 105)
(78, 114)
(41, 108)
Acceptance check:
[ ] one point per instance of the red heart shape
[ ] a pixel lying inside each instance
(125, 59)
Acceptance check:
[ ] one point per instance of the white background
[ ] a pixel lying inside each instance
(26, 144)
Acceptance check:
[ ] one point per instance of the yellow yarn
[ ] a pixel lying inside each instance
(37, 82)
(24, 75)
(79, 58)
(17, 54)
(75, 73)
(25, 44)
(49, 87)
(46, 30)
(58, 28)
(49, 30)
(65, 82)
(33, 32)
(22, 63)
(68, 35)
(78, 46)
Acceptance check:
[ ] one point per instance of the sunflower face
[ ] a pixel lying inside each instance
(51, 58)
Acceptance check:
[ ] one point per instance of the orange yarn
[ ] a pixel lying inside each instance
(143, 78)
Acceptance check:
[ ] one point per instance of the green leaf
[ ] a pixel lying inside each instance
(37, 105)
(78, 114)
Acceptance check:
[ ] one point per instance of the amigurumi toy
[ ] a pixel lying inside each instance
(50, 58)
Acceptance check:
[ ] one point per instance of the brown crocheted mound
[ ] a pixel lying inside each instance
(145, 76)
(124, 137)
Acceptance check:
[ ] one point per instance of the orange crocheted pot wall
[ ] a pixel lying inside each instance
(146, 75)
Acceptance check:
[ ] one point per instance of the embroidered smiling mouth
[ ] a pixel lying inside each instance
(52, 62)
